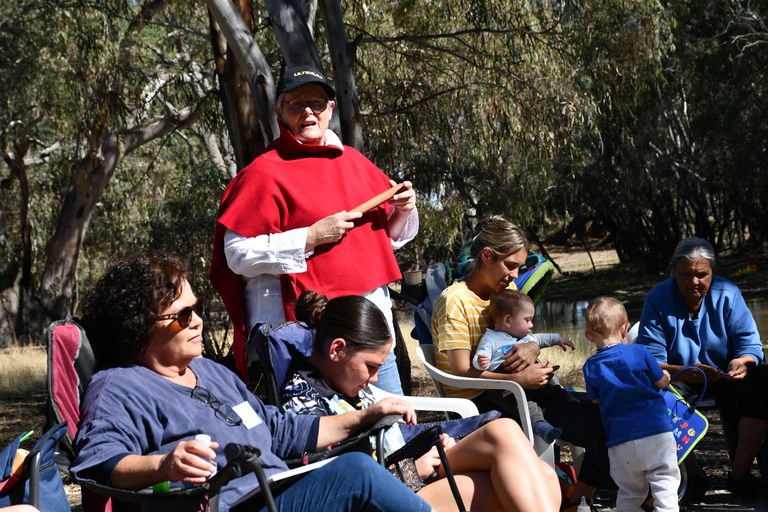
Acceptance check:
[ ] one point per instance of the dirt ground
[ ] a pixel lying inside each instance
(587, 275)
(21, 412)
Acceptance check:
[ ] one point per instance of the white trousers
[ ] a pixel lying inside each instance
(648, 461)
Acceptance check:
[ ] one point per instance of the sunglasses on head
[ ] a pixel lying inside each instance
(183, 316)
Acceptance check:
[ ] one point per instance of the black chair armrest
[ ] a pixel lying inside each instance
(34, 480)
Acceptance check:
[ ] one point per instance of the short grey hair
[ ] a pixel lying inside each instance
(692, 248)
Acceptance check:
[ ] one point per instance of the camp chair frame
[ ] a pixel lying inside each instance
(31, 476)
(295, 340)
(70, 365)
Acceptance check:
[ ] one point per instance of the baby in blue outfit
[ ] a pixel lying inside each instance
(512, 313)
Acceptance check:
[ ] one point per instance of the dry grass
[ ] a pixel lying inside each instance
(422, 385)
(22, 391)
(574, 260)
(22, 370)
(570, 362)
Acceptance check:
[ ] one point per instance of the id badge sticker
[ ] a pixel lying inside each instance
(248, 415)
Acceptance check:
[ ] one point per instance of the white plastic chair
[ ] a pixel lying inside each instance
(633, 332)
(426, 355)
(461, 406)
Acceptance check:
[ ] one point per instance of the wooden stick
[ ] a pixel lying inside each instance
(379, 199)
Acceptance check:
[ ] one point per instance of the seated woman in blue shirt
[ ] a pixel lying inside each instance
(700, 319)
(142, 411)
(495, 466)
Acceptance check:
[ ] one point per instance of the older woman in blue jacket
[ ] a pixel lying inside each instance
(696, 318)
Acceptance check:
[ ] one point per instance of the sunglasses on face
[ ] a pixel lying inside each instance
(183, 316)
(317, 105)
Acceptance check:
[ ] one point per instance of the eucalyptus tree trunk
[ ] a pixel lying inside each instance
(297, 47)
(250, 134)
(10, 289)
(16, 280)
(18, 303)
(343, 58)
(246, 135)
(90, 175)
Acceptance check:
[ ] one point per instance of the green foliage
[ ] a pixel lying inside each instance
(478, 100)
(646, 117)
(677, 152)
(73, 72)
(625, 113)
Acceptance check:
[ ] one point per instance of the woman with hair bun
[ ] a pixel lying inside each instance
(460, 318)
(495, 467)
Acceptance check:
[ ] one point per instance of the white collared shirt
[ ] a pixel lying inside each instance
(263, 258)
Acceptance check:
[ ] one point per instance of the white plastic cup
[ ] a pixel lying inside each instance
(205, 440)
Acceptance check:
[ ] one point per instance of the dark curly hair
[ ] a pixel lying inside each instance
(120, 311)
(354, 318)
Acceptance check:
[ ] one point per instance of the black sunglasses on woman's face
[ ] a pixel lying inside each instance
(183, 316)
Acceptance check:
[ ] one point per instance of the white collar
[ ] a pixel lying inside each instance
(331, 139)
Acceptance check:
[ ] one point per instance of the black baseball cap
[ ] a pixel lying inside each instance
(297, 76)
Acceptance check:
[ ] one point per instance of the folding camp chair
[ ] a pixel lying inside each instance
(70, 366)
(30, 476)
(271, 350)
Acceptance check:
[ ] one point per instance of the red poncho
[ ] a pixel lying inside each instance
(292, 186)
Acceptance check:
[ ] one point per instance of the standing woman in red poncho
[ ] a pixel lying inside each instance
(285, 226)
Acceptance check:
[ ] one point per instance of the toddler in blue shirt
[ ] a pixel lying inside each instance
(625, 381)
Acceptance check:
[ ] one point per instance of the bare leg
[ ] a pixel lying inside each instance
(752, 433)
(475, 488)
(518, 480)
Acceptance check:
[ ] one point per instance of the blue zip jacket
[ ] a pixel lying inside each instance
(724, 329)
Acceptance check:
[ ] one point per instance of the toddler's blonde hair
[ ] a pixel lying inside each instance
(606, 316)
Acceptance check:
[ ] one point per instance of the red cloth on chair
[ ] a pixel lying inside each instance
(65, 382)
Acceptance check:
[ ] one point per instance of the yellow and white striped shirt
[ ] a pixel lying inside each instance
(459, 320)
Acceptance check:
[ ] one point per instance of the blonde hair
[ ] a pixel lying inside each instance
(500, 236)
(507, 302)
(606, 316)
